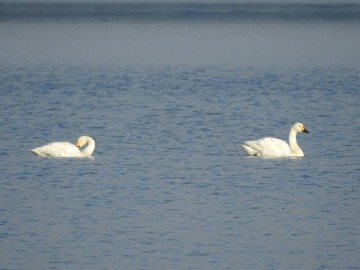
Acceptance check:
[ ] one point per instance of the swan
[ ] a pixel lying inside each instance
(275, 147)
(66, 149)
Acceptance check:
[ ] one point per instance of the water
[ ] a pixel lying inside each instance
(167, 101)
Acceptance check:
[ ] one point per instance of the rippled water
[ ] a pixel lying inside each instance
(169, 188)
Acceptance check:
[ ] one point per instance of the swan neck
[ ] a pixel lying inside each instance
(294, 147)
(90, 147)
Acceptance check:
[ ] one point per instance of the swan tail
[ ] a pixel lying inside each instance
(36, 152)
(248, 150)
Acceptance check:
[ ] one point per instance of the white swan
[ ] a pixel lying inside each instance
(66, 149)
(275, 147)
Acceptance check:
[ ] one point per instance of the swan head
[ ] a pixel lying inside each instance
(299, 127)
(81, 141)
(86, 140)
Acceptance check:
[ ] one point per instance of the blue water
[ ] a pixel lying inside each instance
(166, 102)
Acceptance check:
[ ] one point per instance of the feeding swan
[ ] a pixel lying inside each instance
(275, 147)
(66, 149)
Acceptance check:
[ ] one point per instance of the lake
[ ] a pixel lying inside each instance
(168, 92)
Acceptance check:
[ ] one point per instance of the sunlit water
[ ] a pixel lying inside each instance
(167, 102)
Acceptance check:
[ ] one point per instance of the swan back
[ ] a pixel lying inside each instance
(57, 149)
(267, 147)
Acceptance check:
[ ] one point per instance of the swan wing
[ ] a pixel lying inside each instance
(267, 147)
(58, 149)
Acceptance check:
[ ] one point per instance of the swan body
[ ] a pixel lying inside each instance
(66, 149)
(273, 147)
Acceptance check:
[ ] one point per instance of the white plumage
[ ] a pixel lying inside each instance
(275, 147)
(66, 149)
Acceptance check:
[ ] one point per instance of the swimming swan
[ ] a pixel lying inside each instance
(275, 147)
(66, 149)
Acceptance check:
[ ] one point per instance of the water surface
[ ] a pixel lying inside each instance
(167, 102)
